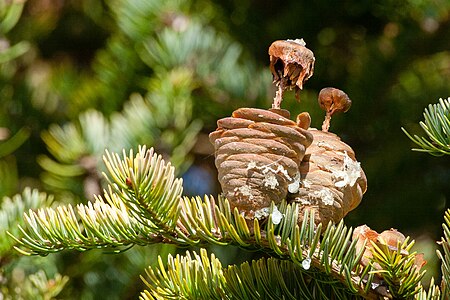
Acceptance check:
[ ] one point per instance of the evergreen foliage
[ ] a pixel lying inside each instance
(26, 284)
(143, 205)
(437, 129)
(90, 111)
(34, 285)
(80, 77)
(9, 15)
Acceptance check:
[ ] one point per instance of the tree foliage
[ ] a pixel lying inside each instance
(143, 205)
(80, 77)
(437, 129)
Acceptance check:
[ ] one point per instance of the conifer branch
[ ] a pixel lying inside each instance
(14, 142)
(437, 129)
(195, 276)
(398, 270)
(10, 13)
(140, 207)
(11, 215)
(36, 286)
(147, 186)
(432, 293)
(445, 256)
(334, 253)
(143, 205)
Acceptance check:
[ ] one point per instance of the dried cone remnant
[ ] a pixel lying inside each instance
(391, 238)
(391, 243)
(258, 154)
(332, 101)
(291, 64)
(331, 181)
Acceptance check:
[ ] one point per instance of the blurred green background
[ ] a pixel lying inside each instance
(77, 77)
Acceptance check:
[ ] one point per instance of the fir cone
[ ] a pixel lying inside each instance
(331, 181)
(258, 154)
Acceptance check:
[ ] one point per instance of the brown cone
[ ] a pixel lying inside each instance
(258, 153)
(332, 182)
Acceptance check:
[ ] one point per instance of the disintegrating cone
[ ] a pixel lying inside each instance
(291, 62)
(331, 181)
(391, 238)
(258, 154)
(364, 236)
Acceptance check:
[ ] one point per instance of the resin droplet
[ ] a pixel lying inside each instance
(277, 216)
(306, 263)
